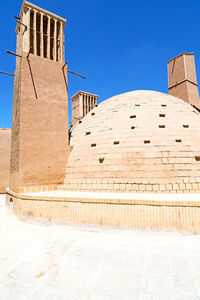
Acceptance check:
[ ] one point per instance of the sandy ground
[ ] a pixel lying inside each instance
(54, 261)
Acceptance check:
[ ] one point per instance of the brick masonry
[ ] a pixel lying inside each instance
(39, 147)
(139, 214)
(5, 139)
(136, 142)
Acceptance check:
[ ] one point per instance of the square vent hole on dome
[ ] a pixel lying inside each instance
(93, 145)
(101, 159)
(161, 126)
(147, 141)
(93, 113)
(178, 140)
(88, 133)
(197, 157)
(185, 126)
(162, 115)
(132, 127)
(116, 143)
(132, 116)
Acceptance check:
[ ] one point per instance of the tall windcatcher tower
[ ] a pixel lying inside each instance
(39, 146)
(182, 81)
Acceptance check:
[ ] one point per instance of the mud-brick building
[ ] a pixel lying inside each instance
(131, 161)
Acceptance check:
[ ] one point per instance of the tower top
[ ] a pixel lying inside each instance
(40, 32)
(182, 81)
(32, 6)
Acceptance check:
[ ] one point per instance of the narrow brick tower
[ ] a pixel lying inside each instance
(82, 103)
(39, 147)
(182, 79)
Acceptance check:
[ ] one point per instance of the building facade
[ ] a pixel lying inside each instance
(131, 161)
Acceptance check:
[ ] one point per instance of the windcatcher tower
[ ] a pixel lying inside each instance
(39, 147)
(182, 82)
(82, 103)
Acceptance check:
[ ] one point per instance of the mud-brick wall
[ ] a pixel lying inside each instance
(5, 142)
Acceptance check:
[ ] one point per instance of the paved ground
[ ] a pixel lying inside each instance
(51, 261)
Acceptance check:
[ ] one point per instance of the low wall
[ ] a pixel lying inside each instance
(123, 213)
(5, 144)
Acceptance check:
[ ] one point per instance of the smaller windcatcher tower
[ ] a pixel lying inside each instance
(39, 143)
(182, 81)
(82, 103)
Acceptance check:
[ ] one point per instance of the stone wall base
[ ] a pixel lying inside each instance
(138, 214)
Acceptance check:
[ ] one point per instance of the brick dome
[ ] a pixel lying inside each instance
(139, 141)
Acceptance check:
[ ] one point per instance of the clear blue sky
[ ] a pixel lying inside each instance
(119, 45)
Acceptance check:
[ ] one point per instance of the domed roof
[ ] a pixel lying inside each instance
(136, 141)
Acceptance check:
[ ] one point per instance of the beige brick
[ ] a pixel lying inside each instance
(182, 186)
(188, 186)
(169, 187)
(135, 187)
(175, 186)
(194, 186)
(116, 186)
(162, 187)
(128, 187)
(149, 187)
(155, 187)
(164, 160)
(122, 186)
(141, 187)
